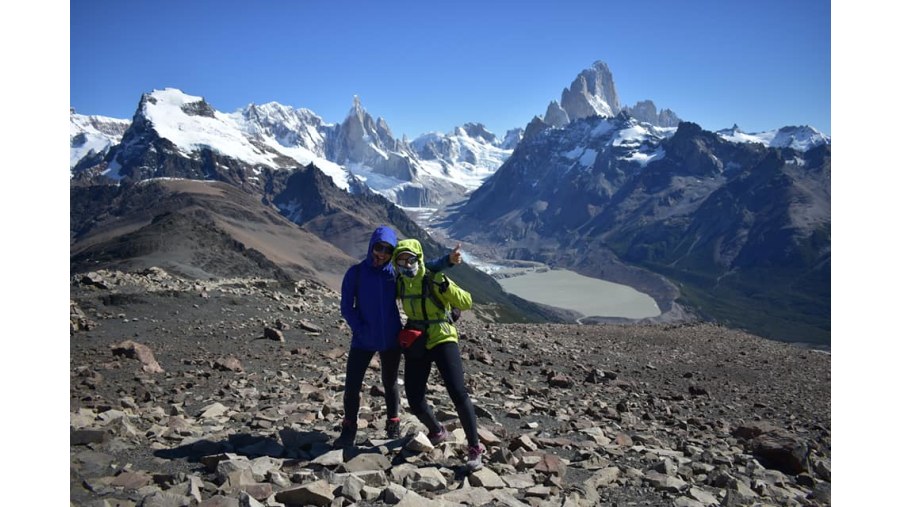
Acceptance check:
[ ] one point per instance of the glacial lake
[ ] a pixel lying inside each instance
(591, 297)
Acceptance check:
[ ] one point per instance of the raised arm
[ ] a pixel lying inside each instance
(449, 292)
(448, 261)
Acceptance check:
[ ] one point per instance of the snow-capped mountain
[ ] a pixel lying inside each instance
(469, 155)
(593, 93)
(90, 137)
(368, 150)
(645, 111)
(174, 134)
(360, 152)
(288, 127)
(801, 138)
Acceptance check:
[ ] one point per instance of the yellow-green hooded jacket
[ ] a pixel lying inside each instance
(435, 320)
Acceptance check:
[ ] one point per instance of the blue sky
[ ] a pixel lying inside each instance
(430, 66)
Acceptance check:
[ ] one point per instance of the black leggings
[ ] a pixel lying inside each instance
(449, 363)
(357, 362)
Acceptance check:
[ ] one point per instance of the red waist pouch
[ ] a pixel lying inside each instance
(408, 336)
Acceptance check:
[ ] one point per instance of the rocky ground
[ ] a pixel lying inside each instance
(228, 392)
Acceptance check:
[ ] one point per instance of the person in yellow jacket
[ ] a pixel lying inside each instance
(427, 299)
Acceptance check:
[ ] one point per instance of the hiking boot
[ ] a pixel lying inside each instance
(474, 459)
(347, 438)
(393, 428)
(440, 436)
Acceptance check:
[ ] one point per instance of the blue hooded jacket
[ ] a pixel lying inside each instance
(368, 297)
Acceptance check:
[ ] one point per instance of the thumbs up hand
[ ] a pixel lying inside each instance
(456, 255)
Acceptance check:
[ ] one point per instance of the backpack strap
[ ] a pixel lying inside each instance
(427, 285)
(426, 293)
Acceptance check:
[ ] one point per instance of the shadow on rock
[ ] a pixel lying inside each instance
(292, 444)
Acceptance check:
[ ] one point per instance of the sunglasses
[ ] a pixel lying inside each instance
(383, 248)
(407, 260)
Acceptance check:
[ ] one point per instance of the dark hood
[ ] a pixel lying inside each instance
(384, 234)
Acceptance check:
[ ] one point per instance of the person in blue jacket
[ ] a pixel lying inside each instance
(368, 304)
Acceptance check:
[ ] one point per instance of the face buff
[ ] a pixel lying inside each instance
(410, 271)
(408, 264)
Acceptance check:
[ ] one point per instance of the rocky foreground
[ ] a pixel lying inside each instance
(228, 393)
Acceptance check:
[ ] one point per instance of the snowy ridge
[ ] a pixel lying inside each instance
(632, 140)
(802, 138)
(467, 157)
(287, 126)
(93, 135)
(167, 111)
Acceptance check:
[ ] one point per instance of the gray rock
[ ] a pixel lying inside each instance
(683, 501)
(330, 458)
(374, 478)
(279, 479)
(665, 482)
(190, 488)
(523, 442)
(220, 501)
(139, 351)
(394, 493)
(538, 491)
(468, 496)
(604, 477)
(822, 468)
(234, 463)
(367, 462)
(665, 466)
(822, 492)
(308, 326)
(518, 481)
(419, 443)
(702, 496)
(506, 500)
(237, 481)
(371, 493)
(739, 493)
(132, 480)
(486, 478)
(264, 465)
(166, 499)
(487, 437)
(551, 464)
(212, 411)
(353, 488)
(230, 363)
(314, 493)
(427, 479)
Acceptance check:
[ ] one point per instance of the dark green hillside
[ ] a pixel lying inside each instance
(770, 302)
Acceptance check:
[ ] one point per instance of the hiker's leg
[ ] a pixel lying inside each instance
(357, 362)
(415, 377)
(390, 369)
(449, 363)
